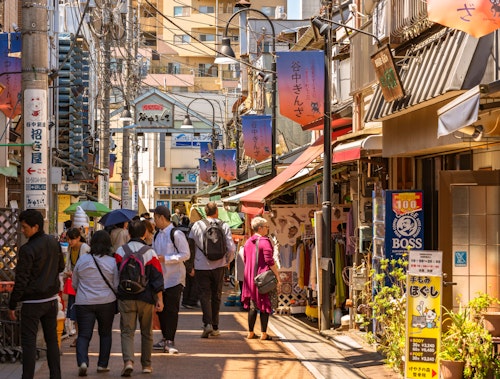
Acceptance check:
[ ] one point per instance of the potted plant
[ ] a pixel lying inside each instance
(466, 340)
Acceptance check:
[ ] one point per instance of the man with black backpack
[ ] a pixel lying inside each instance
(215, 249)
(172, 248)
(140, 293)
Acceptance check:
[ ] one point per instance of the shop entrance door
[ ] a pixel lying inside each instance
(469, 230)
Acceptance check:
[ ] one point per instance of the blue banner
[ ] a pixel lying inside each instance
(404, 222)
(257, 135)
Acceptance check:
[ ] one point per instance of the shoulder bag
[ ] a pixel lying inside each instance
(107, 282)
(266, 281)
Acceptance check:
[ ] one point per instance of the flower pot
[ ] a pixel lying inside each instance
(492, 323)
(451, 369)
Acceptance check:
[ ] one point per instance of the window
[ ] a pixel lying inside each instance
(207, 37)
(206, 9)
(268, 11)
(181, 11)
(181, 38)
(207, 70)
(174, 68)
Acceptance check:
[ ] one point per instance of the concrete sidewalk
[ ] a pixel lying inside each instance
(298, 351)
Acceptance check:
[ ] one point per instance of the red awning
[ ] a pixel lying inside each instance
(253, 202)
(351, 151)
(336, 122)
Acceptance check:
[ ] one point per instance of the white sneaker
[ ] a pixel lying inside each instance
(82, 370)
(207, 329)
(170, 347)
(215, 333)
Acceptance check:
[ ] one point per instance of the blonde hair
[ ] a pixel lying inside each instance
(257, 222)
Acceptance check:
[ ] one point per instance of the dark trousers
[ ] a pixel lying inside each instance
(86, 316)
(169, 317)
(190, 293)
(31, 315)
(210, 291)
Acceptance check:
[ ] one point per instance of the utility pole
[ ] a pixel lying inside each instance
(35, 169)
(126, 188)
(105, 80)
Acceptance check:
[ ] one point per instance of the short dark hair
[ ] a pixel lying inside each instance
(74, 233)
(211, 208)
(100, 244)
(32, 217)
(136, 229)
(162, 210)
(146, 215)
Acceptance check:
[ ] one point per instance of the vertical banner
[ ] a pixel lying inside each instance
(404, 222)
(423, 314)
(35, 156)
(226, 163)
(205, 169)
(257, 135)
(301, 82)
(205, 150)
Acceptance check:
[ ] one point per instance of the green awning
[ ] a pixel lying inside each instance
(9, 171)
(233, 219)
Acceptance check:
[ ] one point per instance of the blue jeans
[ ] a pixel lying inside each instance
(210, 291)
(86, 315)
(31, 315)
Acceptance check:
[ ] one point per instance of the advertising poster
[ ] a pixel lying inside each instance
(423, 315)
(404, 226)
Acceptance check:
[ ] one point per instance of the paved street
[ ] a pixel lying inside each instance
(297, 351)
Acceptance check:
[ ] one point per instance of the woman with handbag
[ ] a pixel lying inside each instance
(95, 279)
(258, 258)
(77, 248)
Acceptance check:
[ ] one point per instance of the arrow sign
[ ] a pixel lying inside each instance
(30, 170)
(434, 373)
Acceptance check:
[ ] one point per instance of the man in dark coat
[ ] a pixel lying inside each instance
(37, 285)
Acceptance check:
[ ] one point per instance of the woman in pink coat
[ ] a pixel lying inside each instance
(252, 300)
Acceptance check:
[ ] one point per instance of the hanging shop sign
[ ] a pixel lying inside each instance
(388, 76)
(190, 140)
(423, 315)
(184, 176)
(257, 134)
(301, 85)
(404, 220)
(154, 111)
(35, 156)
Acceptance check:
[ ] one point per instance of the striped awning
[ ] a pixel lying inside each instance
(176, 190)
(446, 62)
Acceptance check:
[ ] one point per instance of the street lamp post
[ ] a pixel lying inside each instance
(227, 52)
(187, 123)
(126, 119)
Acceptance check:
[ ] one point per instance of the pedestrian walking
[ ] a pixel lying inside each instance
(173, 251)
(119, 235)
(138, 305)
(37, 284)
(77, 248)
(252, 299)
(190, 296)
(210, 273)
(95, 279)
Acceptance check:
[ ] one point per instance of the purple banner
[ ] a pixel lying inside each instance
(301, 84)
(226, 164)
(257, 134)
(206, 169)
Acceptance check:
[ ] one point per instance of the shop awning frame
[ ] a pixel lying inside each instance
(467, 109)
(354, 150)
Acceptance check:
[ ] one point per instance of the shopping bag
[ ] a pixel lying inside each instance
(68, 287)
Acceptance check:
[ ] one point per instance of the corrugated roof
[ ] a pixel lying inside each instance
(439, 65)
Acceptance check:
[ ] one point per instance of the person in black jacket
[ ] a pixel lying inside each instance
(37, 284)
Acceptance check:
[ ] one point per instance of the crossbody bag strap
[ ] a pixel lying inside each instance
(100, 272)
(256, 257)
